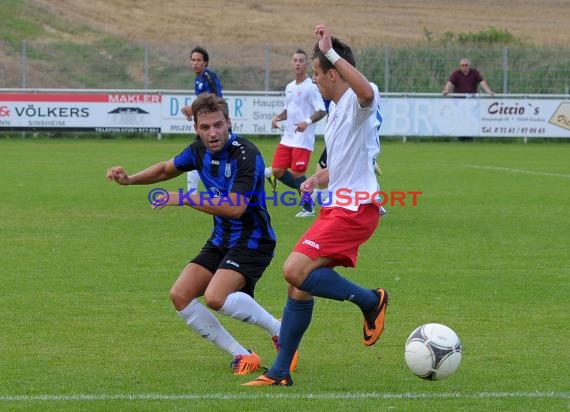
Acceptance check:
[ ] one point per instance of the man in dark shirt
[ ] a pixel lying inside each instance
(242, 241)
(465, 80)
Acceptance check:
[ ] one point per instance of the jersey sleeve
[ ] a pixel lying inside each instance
(317, 101)
(361, 114)
(186, 160)
(249, 166)
(213, 83)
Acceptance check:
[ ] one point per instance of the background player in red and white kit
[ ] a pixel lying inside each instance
(304, 106)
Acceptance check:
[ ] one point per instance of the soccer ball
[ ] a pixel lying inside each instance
(433, 351)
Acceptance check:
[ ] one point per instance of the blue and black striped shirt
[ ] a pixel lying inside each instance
(237, 168)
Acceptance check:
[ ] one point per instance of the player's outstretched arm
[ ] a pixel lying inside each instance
(231, 206)
(158, 172)
(117, 174)
(187, 112)
(358, 83)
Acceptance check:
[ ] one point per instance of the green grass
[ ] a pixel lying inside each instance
(86, 322)
(487, 37)
(20, 20)
(25, 20)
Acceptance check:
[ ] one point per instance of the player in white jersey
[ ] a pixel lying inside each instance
(351, 138)
(304, 106)
(351, 172)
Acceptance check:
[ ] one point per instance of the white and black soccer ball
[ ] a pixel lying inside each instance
(433, 351)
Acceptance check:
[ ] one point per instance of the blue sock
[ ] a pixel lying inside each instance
(288, 179)
(326, 283)
(296, 319)
(299, 181)
(306, 199)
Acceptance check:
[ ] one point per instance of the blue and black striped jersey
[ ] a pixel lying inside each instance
(237, 168)
(208, 82)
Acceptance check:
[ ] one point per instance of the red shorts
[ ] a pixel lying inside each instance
(338, 233)
(294, 158)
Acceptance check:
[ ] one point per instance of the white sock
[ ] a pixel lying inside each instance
(243, 307)
(321, 196)
(193, 178)
(268, 172)
(205, 324)
(315, 195)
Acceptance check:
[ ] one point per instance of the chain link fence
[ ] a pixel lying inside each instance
(110, 64)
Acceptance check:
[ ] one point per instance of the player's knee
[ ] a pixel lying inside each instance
(214, 300)
(292, 274)
(179, 299)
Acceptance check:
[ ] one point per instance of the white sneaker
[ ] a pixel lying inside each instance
(305, 213)
(377, 170)
(383, 212)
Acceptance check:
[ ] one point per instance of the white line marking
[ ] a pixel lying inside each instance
(282, 396)
(507, 169)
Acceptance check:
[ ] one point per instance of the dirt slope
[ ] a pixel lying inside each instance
(358, 22)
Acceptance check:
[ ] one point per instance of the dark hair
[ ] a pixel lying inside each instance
(209, 103)
(301, 51)
(202, 51)
(341, 48)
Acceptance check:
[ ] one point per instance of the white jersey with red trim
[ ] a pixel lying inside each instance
(302, 100)
(352, 140)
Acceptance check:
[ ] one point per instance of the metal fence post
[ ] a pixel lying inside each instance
(386, 68)
(267, 59)
(146, 50)
(505, 70)
(24, 65)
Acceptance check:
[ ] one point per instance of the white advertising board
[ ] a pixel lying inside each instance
(497, 117)
(251, 114)
(99, 112)
(248, 114)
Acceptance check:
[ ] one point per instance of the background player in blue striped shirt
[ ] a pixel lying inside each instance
(206, 81)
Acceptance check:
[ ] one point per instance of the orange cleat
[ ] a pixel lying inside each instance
(374, 319)
(243, 364)
(266, 380)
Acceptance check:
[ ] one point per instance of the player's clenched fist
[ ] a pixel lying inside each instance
(324, 35)
(118, 174)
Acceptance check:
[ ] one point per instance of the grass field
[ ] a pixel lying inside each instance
(86, 323)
